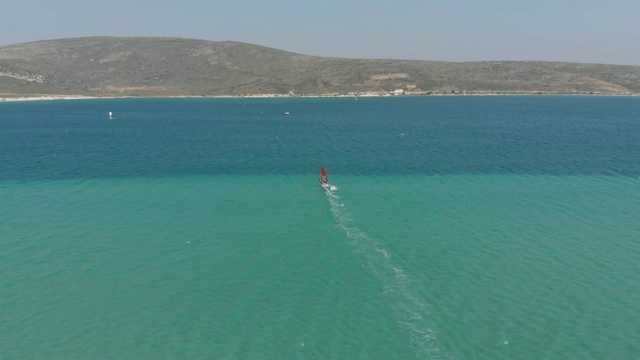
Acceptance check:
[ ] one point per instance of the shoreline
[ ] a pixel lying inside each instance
(20, 98)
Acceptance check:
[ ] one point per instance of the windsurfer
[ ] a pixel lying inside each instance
(323, 177)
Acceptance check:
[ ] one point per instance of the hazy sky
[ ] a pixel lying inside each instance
(590, 31)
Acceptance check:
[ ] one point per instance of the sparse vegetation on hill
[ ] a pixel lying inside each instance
(107, 66)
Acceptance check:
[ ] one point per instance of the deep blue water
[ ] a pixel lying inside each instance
(561, 135)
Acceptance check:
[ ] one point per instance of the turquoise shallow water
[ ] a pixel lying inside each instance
(273, 267)
(519, 259)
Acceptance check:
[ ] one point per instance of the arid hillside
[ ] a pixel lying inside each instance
(108, 66)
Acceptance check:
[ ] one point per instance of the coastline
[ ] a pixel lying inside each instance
(20, 98)
(48, 97)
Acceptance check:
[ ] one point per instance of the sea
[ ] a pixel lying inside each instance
(455, 227)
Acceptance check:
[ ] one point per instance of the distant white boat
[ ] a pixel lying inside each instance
(110, 115)
(286, 113)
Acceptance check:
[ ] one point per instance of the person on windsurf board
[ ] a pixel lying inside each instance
(324, 181)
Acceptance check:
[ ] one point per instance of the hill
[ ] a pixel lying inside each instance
(108, 66)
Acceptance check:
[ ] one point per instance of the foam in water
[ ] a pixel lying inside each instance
(410, 311)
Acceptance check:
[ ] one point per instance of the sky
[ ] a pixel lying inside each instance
(586, 31)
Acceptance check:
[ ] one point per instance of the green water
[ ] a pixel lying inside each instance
(266, 267)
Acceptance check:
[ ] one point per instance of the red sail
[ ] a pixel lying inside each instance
(323, 176)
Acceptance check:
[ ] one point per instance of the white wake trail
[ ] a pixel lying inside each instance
(410, 311)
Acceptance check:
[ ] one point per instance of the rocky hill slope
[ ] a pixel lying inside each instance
(108, 66)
